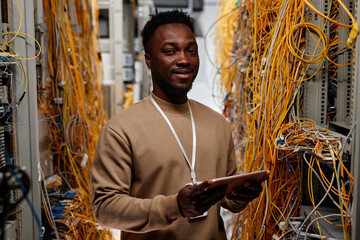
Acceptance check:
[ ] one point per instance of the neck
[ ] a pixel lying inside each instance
(171, 108)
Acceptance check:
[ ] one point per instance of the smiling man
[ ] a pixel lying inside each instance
(174, 61)
(151, 157)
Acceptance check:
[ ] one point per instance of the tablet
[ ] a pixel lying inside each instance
(234, 181)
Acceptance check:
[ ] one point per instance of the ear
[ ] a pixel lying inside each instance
(148, 60)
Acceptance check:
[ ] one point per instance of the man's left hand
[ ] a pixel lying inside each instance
(246, 193)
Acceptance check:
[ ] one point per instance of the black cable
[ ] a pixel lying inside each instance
(11, 178)
(14, 178)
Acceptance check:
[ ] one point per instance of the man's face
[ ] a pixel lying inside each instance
(174, 61)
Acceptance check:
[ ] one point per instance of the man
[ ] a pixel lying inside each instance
(151, 156)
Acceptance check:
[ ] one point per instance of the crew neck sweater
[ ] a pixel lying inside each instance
(138, 169)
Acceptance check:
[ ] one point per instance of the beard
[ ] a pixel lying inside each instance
(174, 90)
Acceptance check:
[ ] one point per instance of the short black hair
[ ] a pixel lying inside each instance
(162, 18)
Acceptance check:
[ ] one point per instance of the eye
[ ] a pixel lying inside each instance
(192, 51)
(169, 51)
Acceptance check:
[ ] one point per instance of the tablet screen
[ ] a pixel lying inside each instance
(234, 181)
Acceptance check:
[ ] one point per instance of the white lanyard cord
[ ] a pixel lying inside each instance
(192, 166)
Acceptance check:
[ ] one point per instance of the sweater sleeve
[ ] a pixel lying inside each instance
(112, 204)
(231, 170)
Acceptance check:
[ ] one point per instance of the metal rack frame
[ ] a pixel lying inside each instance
(27, 133)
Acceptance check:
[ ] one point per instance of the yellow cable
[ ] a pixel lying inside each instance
(14, 56)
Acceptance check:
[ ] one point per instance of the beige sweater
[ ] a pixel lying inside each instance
(139, 168)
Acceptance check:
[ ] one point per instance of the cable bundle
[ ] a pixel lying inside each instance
(323, 149)
(263, 61)
(71, 98)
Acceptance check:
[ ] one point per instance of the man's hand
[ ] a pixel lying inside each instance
(246, 193)
(194, 200)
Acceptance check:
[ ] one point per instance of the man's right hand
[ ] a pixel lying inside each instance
(194, 200)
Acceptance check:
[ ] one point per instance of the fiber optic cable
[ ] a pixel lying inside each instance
(262, 61)
(71, 97)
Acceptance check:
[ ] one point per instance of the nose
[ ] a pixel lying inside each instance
(182, 59)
